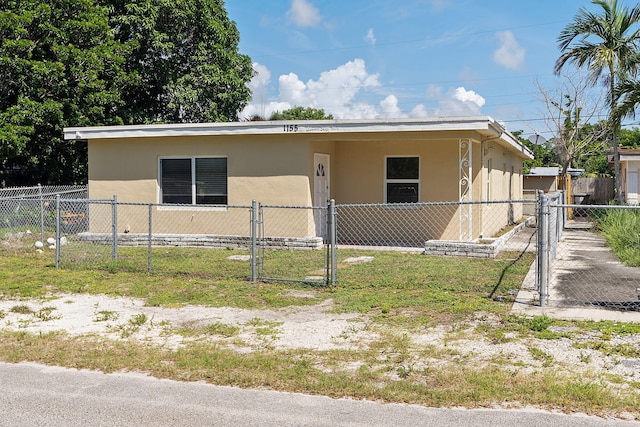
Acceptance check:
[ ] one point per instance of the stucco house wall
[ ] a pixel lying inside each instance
(471, 159)
(630, 174)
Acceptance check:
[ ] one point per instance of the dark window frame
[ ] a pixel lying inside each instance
(402, 179)
(196, 180)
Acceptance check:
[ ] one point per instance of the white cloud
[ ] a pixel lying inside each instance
(334, 91)
(468, 96)
(260, 80)
(510, 54)
(461, 102)
(419, 111)
(389, 107)
(304, 14)
(455, 102)
(370, 37)
(337, 91)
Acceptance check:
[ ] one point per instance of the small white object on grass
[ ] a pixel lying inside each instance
(358, 260)
(39, 245)
(63, 241)
(51, 240)
(52, 246)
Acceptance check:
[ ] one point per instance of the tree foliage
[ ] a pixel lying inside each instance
(85, 63)
(59, 66)
(185, 61)
(301, 113)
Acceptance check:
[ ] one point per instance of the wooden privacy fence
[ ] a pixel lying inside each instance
(600, 190)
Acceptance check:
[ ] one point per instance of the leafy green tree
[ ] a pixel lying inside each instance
(59, 66)
(301, 113)
(606, 43)
(630, 138)
(185, 64)
(85, 63)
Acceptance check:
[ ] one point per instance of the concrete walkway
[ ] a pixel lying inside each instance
(588, 282)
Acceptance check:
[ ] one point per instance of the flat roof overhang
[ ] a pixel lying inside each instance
(484, 125)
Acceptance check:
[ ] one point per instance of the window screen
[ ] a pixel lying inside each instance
(211, 181)
(175, 181)
(194, 181)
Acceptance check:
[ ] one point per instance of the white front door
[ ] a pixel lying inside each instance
(320, 192)
(632, 187)
(321, 180)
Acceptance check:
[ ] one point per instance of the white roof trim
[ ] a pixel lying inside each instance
(482, 124)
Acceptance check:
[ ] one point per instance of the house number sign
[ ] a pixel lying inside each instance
(290, 128)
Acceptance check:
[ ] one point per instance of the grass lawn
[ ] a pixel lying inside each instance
(399, 293)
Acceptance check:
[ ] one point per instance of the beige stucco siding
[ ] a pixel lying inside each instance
(359, 168)
(270, 169)
(278, 170)
(273, 168)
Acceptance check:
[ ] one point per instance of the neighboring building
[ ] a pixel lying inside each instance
(542, 178)
(629, 168)
(305, 163)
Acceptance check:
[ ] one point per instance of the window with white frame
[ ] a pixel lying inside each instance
(193, 180)
(402, 183)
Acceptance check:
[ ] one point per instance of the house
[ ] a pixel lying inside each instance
(629, 167)
(196, 172)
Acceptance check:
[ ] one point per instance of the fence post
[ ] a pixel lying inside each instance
(41, 212)
(150, 237)
(254, 241)
(543, 249)
(114, 228)
(57, 232)
(333, 249)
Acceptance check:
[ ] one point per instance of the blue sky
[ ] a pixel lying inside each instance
(404, 58)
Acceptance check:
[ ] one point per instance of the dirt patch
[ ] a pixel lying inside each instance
(316, 328)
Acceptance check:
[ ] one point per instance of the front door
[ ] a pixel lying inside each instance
(320, 192)
(321, 180)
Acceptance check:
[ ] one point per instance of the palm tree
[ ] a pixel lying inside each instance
(627, 93)
(607, 43)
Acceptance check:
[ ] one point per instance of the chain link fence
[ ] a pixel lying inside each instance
(301, 228)
(593, 259)
(175, 240)
(588, 256)
(32, 209)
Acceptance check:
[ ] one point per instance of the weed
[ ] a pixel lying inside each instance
(44, 314)
(138, 320)
(624, 350)
(105, 316)
(132, 326)
(264, 328)
(2, 314)
(542, 356)
(22, 309)
(221, 329)
(540, 323)
(404, 371)
(584, 357)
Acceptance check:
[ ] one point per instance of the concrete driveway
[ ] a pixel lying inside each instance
(588, 281)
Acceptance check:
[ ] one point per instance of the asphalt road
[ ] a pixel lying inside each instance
(37, 395)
